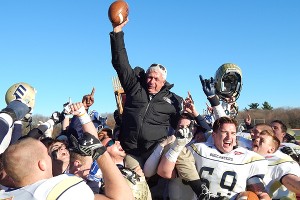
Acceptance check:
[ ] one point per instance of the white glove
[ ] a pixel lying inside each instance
(66, 107)
(183, 137)
(46, 127)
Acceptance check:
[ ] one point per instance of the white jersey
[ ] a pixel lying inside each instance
(62, 187)
(226, 174)
(280, 165)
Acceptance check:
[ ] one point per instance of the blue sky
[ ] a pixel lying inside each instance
(62, 47)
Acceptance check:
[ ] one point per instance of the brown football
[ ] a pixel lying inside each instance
(247, 195)
(118, 12)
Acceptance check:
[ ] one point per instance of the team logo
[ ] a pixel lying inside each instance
(269, 157)
(86, 142)
(167, 100)
(238, 153)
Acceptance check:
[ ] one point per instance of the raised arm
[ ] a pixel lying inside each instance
(116, 186)
(209, 90)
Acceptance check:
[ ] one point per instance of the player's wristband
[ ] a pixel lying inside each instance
(172, 154)
(214, 100)
(98, 152)
(85, 118)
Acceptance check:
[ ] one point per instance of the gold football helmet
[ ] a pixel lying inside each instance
(22, 91)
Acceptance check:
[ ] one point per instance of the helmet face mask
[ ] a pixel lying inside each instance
(228, 80)
(21, 91)
(230, 83)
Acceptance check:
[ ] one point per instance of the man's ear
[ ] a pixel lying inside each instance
(42, 165)
(77, 164)
(271, 150)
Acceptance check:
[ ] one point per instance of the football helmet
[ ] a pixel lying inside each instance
(22, 91)
(228, 81)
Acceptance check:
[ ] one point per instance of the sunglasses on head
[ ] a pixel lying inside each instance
(110, 143)
(160, 66)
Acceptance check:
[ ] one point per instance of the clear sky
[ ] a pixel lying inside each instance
(62, 47)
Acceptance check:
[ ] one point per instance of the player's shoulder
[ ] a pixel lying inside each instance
(278, 157)
(249, 156)
(202, 145)
(292, 145)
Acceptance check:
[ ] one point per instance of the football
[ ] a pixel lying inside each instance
(247, 195)
(118, 12)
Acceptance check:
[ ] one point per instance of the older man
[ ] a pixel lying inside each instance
(150, 107)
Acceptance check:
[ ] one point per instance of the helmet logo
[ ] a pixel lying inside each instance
(20, 91)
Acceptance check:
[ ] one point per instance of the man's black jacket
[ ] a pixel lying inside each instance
(144, 122)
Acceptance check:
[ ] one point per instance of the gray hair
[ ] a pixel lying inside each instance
(158, 67)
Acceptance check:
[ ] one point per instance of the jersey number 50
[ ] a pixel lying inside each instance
(225, 175)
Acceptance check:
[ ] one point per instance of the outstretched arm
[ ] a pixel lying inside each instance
(209, 90)
(151, 164)
(190, 108)
(116, 186)
(168, 161)
(292, 183)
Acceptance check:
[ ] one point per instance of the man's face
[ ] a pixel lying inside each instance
(114, 149)
(263, 145)
(225, 137)
(85, 167)
(59, 151)
(183, 123)
(278, 131)
(255, 132)
(102, 134)
(155, 82)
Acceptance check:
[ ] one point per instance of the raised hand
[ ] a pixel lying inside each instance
(88, 145)
(247, 120)
(189, 106)
(57, 117)
(88, 100)
(66, 107)
(185, 135)
(208, 86)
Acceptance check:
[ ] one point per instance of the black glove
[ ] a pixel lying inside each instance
(290, 139)
(203, 192)
(208, 86)
(209, 89)
(57, 117)
(88, 145)
(289, 151)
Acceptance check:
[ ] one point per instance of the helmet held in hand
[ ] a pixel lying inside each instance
(22, 91)
(228, 79)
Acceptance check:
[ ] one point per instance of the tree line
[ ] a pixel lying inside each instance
(290, 116)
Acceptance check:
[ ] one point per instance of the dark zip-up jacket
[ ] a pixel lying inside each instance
(145, 122)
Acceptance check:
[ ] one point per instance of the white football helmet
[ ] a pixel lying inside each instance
(22, 91)
(228, 80)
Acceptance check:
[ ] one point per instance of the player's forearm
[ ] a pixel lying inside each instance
(292, 183)
(116, 186)
(263, 196)
(165, 168)
(152, 162)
